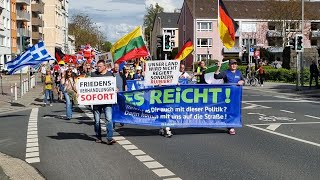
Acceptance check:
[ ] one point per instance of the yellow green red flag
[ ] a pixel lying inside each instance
(129, 47)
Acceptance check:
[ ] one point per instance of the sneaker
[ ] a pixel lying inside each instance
(232, 131)
(50, 104)
(110, 142)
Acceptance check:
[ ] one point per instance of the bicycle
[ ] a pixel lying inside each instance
(251, 80)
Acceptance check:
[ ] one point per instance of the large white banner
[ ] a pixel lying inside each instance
(97, 90)
(164, 72)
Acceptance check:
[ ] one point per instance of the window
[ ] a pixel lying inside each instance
(8, 23)
(277, 42)
(292, 26)
(4, 22)
(201, 57)
(204, 26)
(2, 40)
(314, 42)
(204, 42)
(8, 42)
(246, 41)
(172, 32)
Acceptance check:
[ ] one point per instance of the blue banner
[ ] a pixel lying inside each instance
(181, 106)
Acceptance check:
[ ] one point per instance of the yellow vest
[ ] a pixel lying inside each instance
(48, 82)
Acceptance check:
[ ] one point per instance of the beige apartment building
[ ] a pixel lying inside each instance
(37, 10)
(55, 28)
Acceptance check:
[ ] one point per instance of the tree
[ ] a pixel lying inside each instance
(149, 18)
(106, 46)
(85, 31)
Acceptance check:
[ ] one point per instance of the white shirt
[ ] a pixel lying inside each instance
(185, 75)
(43, 70)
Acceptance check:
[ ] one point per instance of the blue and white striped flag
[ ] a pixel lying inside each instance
(33, 56)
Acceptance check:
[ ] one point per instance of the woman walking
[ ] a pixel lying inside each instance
(70, 92)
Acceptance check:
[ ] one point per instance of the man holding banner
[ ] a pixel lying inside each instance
(106, 108)
(233, 76)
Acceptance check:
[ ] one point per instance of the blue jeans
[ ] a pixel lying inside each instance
(68, 105)
(107, 110)
(48, 93)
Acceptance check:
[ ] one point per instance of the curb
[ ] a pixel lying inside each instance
(15, 168)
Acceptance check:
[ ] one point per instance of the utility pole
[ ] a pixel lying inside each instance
(301, 53)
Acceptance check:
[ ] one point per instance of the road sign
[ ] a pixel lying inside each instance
(251, 52)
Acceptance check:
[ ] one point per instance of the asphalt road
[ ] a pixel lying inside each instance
(279, 140)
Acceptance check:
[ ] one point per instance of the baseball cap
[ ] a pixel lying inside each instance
(232, 61)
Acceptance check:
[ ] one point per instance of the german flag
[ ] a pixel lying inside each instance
(185, 51)
(59, 55)
(227, 27)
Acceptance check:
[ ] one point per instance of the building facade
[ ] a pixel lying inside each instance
(56, 25)
(164, 23)
(37, 10)
(198, 21)
(23, 23)
(5, 33)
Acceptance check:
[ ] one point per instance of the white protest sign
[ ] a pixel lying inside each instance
(107, 57)
(97, 90)
(164, 72)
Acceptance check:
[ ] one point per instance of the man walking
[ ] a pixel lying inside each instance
(314, 73)
(121, 83)
(106, 108)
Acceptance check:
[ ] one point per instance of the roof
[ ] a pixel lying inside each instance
(168, 20)
(248, 9)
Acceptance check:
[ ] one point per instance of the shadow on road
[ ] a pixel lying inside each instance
(179, 131)
(11, 115)
(89, 123)
(65, 136)
(17, 104)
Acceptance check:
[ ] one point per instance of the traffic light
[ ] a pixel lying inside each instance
(299, 43)
(159, 41)
(25, 43)
(292, 43)
(167, 42)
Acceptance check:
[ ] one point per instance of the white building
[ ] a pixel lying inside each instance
(5, 33)
(55, 28)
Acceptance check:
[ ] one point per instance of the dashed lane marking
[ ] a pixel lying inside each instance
(287, 111)
(273, 127)
(32, 146)
(147, 160)
(314, 117)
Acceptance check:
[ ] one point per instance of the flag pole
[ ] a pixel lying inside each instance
(218, 23)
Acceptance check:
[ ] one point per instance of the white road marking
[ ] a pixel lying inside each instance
(172, 179)
(273, 127)
(286, 136)
(144, 158)
(287, 111)
(295, 123)
(274, 101)
(124, 142)
(163, 172)
(153, 165)
(139, 154)
(314, 117)
(32, 146)
(255, 106)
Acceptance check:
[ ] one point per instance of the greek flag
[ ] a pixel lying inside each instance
(32, 57)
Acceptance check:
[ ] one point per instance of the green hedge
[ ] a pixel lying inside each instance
(280, 75)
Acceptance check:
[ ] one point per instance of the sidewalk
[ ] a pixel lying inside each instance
(29, 100)
(285, 88)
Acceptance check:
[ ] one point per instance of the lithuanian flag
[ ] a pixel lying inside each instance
(227, 27)
(185, 51)
(129, 47)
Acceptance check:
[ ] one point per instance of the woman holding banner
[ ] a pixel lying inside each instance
(232, 75)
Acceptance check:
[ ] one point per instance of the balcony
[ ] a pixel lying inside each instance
(273, 34)
(38, 8)
(37, 22)
(315, 34)
(274, 49)
(1, 26)
(25, 2)
(23, 32)
(232, 50)
(1, 5)
(23, 16)
(36, 35)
